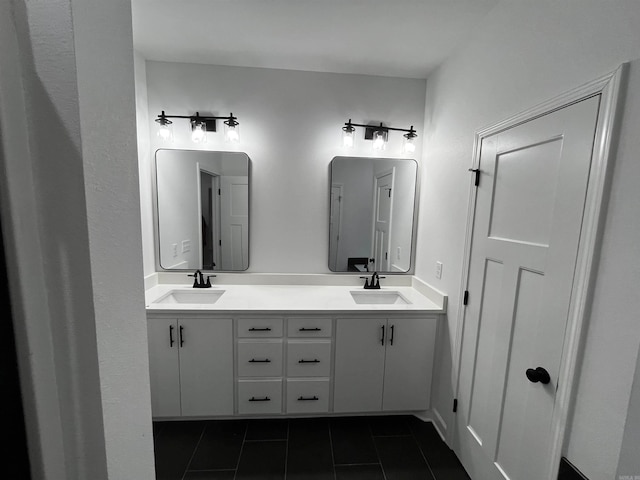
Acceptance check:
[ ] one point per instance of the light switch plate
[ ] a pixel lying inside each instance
(438, 269)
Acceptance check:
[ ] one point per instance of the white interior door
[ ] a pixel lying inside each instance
(234, 222)
(526, 232)
(382, 207)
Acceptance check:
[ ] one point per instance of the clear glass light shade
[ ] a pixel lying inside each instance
(348, 137)
(232, 133)
(379, 140)
(198, 132)
(409, 145)
(165, 132)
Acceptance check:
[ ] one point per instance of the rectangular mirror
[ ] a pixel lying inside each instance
(371, 214)
(202, 210)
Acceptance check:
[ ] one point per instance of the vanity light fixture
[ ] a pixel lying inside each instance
(380, 140)
(348, 134)
(231, 130)
(408, 144)
(198, 130)
(379, 134)
(200, 125)
(165, 128)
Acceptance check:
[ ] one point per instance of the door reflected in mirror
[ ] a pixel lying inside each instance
(372, 214)
(202, 210)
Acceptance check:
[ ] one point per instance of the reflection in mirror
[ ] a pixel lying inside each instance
(371, 219)
(203, 210)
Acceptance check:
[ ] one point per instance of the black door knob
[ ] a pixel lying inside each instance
(538, 375)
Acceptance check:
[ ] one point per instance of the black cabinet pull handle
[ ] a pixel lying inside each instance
(171, 340)
(315, 329)
(254, 329)
(181, 335)
(392, 330)
(308, 399)
(309, 361)
(538, 375)
(253, 360)
(382, 340)
(254, 399)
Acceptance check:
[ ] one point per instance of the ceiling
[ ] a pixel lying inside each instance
(398, 38)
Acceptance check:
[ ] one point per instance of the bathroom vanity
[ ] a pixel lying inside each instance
(269, 350)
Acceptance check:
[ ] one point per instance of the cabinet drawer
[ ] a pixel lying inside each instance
(307, 396)
(309, 327)
(259, 396)
(260, 359)
(259, 327)
(308, 359)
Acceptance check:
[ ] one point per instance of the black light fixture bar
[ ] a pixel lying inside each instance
(209, 120)
(369, 130)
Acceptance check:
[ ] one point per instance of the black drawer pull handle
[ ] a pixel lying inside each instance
(171, 340)
(181, 335)
(315, 329)
(309, 361)
(253, 360)
(254, 329)
(308, 399)
(254, 399)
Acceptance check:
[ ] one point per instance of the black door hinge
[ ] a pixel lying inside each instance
(386, 255)
(455, 405)
(220, 242)
(477, 172)
(389, 193)
(218, 191)
(465, 299)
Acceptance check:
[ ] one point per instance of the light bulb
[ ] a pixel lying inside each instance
(232, 134)
(379, 140)
(408, 145)
(348, 138)
(198, 132)
(231, 130)
(165, 133)
(165, 128)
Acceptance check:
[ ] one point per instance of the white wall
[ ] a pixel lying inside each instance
(144, 166)
(522, 54)
(82, 266)
(290, 125)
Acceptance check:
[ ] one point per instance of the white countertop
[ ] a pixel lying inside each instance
(288, 299)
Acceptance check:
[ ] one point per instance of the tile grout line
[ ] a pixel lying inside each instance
(286, 451)
(424, 457)
(333, 459)
(246, 429)
(375, 447)
(204, 427)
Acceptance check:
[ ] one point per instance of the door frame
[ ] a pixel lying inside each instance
(608, 87)
(340, 187)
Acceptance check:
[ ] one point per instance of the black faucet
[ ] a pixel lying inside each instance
(199, 282)
(374, 284)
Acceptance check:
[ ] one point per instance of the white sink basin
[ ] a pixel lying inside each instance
(378, 297)
(193, 297)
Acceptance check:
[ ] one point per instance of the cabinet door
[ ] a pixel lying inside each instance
(359, 364)
(206, 366)
(164, 367)
(409, 363)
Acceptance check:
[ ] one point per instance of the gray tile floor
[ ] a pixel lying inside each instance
(338, 448)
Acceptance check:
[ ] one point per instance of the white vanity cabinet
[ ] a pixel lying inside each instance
(383, 364)
(219, 365)
(190, 365)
